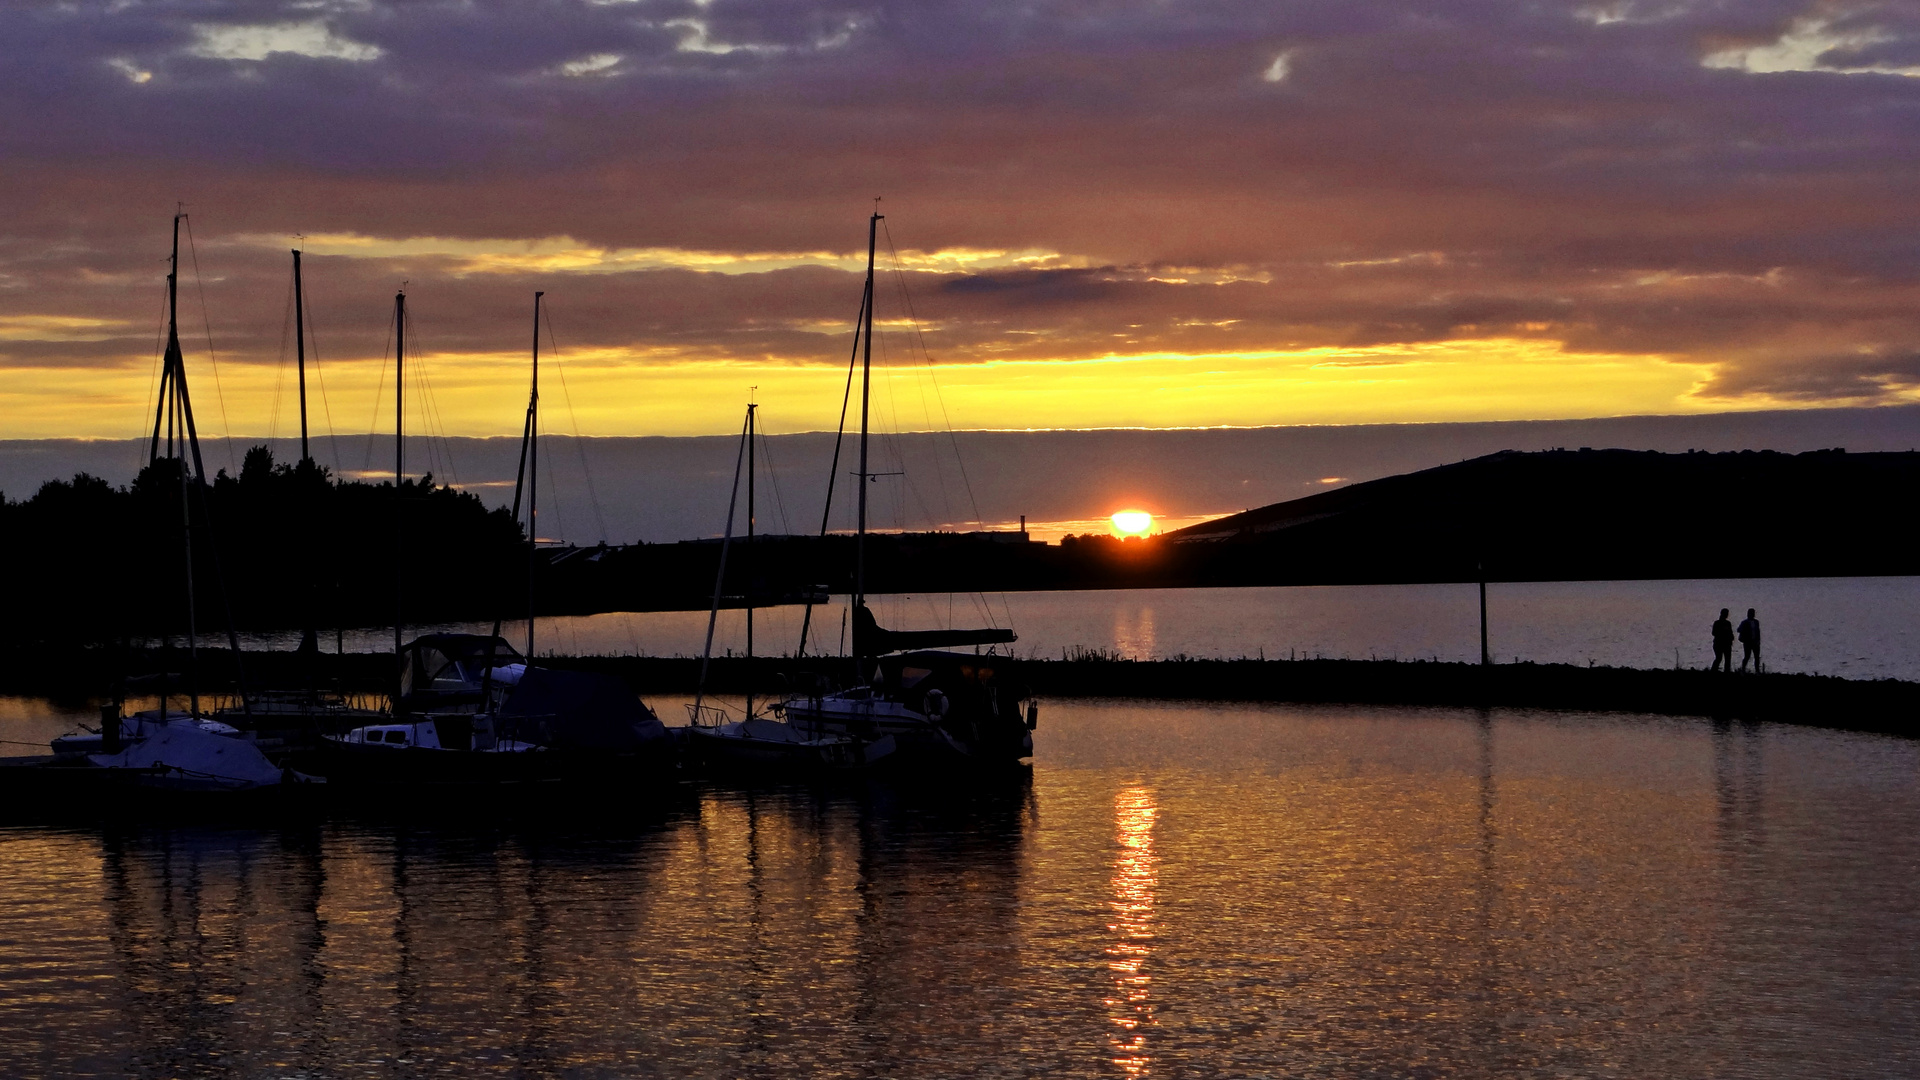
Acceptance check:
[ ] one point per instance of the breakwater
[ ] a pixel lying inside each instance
(1885, 705)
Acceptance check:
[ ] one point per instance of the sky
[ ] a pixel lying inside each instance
(1097, 214)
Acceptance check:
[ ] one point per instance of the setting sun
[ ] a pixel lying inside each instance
(1132, 523)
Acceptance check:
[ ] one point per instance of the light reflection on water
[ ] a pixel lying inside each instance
(1132, 904)
(1133, 630)
(1178, 891)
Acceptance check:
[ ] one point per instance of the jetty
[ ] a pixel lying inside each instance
(1887, 706)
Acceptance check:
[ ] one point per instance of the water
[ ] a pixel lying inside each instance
(1854, 627)
(1178, 891)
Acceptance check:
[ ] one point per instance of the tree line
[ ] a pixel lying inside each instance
(280, 546)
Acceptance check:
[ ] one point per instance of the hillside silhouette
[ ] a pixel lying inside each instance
(1581, 514)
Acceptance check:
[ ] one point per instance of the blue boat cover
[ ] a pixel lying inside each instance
(578, 710)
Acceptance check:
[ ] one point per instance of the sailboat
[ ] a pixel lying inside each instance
(757, 742)
(937, 706)
(291, 718)
(468, 710)
(164, 750)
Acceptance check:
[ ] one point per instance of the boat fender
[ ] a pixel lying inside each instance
(1033, 715)
(937, 704)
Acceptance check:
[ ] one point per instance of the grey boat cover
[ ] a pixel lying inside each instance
(187, 756)
(578, 710)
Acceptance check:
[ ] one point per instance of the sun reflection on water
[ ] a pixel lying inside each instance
(1129, 1008)
(1133, 632)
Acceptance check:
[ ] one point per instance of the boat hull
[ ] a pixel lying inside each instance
(919, 739)
(355, 768)
(48, 789)
(768, 746)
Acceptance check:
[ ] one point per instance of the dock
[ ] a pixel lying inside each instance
(1886, 706)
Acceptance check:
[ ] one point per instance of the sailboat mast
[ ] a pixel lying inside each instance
(720, 575)
(193, 643)
(399, 462)
(178, 412)
(533, 476)
(752, 411)
(300, 349)
(160, 409)
(866, 396)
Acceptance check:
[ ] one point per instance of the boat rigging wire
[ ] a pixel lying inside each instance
(439, 445)
(280, 366)
(720, 576)
(573, 418)
(920, 338)
(960, 461)
(433, 429)
(773, 480)
(313, 356)
(159, 357)
(833, 471)
(379, 390)
(206, 320)
(559, 530)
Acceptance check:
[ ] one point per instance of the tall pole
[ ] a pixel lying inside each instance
(160, 409)
(310, 633)
(193, 644)
(720, 575)
(1486, 657)
(752, 409)
(399, 464)
(533, 476)
(866, 397)
(300, 349)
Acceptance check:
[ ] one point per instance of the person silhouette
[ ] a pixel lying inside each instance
(1750, 638)
(1722, 644)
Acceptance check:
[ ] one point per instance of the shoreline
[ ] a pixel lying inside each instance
(1884, 706)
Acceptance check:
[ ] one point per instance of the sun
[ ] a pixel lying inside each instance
(1132, 523)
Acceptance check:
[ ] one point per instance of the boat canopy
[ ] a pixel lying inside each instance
(871, 639)
(452, 661)
(578, 710)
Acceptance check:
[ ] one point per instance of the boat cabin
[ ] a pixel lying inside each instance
(398, 736)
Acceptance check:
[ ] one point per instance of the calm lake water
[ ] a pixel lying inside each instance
(1177, 891)
(1855, 627)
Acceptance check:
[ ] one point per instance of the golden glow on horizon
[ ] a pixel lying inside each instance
(676, 392)
(1132, 523)
(566, 255)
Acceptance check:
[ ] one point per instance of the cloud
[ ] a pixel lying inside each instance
(1871, 377)
(312, 39)
(1724, 189)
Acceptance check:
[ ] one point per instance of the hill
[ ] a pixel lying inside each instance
(1581, 514)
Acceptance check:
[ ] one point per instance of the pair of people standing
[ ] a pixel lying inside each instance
(1723, 637)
